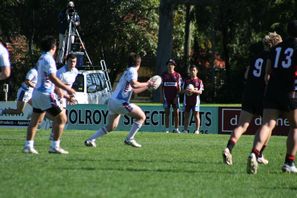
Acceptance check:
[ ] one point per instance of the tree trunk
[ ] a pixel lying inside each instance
(187, 43)
(164, 49)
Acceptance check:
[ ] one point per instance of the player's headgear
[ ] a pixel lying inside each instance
(292, 28)
(171, 61)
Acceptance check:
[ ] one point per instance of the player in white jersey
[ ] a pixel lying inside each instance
(24, 94)
(67, 74)
(4, 61)
(44, 100)
(119, 103)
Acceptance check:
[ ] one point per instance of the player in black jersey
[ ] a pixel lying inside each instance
(252, 100)
(280, 98)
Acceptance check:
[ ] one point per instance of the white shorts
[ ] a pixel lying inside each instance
(23, 95)
(193, 108)
(63, 103)
(119, 106)
(44, 101)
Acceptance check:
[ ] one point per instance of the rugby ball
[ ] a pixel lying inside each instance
(157, 80)
(190, 87)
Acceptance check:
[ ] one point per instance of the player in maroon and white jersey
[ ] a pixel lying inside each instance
(171, 87)
(192, 98)
(280, 98)
(252, 99)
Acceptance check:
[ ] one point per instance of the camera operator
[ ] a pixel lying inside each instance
(66, 16)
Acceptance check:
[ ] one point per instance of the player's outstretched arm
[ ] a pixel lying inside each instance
(5, 73)
(60, 84)
(139, 87)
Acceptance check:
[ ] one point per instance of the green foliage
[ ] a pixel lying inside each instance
(168, 165)
(111, 29)
(117, 28)
(232, 26)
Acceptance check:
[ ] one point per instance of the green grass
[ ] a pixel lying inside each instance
(168, 165)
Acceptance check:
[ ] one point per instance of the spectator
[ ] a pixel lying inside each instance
(171, 87)
(192, 98)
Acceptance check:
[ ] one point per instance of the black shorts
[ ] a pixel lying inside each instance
(53, 111)
(281, 101)
(252, 103)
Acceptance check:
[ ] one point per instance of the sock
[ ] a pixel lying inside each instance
(29, 143)
(290, 159)
(55, 144)
(230, 145)
(52, 134)
(102, 131)
(256, 152)
(134, 129)
(261, 152)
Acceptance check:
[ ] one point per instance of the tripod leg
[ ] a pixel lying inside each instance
(68, 40)
(83, 46)
(61, 51)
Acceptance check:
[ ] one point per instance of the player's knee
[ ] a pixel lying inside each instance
(61, 118)
(141, 118)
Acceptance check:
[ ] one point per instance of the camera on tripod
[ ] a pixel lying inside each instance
(71, 14)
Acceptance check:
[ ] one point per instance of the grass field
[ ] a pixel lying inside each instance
(168, 165)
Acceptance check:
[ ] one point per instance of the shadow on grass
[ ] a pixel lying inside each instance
(157, 170)
(146, 161)
(277, 188)
(150, 169)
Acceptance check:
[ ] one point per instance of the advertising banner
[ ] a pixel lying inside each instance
(94, 116)
(18, 120)
(229, 118)
(214, 119)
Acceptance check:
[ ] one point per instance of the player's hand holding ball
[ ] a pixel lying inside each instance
(155, 82)
(72, 100)
(189, 90)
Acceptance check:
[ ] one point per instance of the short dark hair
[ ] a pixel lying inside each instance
(193, 66)
(48, 43)
(133, 58)
(292, 28)
(71, 56)
(171, 61)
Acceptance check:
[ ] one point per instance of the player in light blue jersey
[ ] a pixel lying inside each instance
(24, 94)
(4, 61)
(44, 100)
(119, 104)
